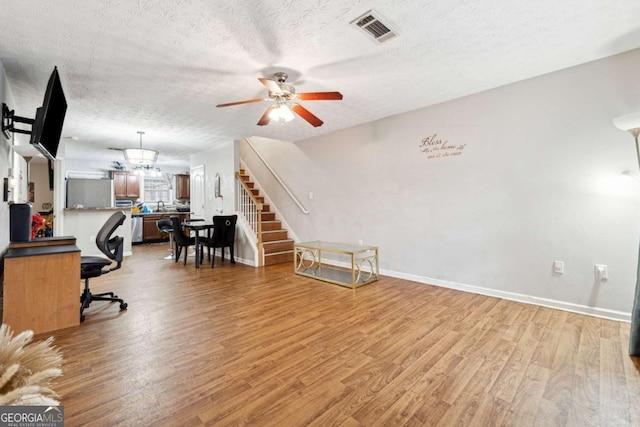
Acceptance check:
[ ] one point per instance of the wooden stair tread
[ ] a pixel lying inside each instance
(270, 236)
(271, 225)
(281, 252)
(278, 258)
(276, 245)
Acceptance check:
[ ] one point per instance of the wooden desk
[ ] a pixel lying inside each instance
(44, 241)
(42, 285)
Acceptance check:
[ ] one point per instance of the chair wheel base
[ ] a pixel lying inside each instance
(87, 298)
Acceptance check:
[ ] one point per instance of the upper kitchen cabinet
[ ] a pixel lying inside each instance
(126, 185)
(183, 184)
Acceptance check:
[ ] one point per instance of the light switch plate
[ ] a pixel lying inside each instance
(601, 272)
(558, 267)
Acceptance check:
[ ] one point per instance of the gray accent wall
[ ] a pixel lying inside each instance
(535, 172)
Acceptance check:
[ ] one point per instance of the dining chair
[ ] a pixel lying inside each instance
(180, 239)
(224, 235)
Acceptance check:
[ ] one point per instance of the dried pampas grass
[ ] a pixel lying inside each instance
(27, 370)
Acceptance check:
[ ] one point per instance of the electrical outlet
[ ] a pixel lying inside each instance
(558, 267)
(601, 272)
(92, 239)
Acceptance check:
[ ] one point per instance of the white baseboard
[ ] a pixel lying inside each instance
(619, 316)
(512, 296)
(249, 262)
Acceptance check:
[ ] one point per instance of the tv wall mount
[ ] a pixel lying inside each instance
(8, 120)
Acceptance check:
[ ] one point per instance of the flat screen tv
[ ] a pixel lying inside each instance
(47, 125)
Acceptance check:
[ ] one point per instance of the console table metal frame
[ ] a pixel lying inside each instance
(308, 261)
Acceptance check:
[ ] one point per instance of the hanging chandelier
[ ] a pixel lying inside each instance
(140, 156)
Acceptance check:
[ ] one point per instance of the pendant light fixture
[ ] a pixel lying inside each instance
(140, 156)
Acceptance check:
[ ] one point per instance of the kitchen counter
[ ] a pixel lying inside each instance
(84, 223)
(161, 213)
(150, 230)
(106, 208)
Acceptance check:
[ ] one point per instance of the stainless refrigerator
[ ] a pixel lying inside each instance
(89, 193)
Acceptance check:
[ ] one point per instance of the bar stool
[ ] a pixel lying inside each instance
(165, 226)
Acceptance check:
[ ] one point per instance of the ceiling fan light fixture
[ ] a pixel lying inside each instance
(283, 98)
(281, 113)
(140, 156)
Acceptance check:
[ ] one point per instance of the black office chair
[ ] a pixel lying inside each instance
(94, 266)
(224, 235)
(180, 239)
(165, 226)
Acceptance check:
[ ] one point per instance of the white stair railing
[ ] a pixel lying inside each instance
(251, 210)
(277, 177)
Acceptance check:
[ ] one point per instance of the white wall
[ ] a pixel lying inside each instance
(84, 224)
(5, 164)
(39, 175)
(219, 159)
(9, 160)
(538, 178)
(223, 159)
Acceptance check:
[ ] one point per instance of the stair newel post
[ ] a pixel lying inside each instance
(260, 251)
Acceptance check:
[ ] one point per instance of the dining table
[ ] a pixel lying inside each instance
(197, 226)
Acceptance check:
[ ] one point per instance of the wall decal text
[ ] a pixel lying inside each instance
(436, 148)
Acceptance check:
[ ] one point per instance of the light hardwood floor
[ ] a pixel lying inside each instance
(235, 345)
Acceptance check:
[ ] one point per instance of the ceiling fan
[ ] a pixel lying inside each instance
(284, 97)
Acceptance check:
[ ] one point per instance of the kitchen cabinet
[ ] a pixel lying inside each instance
(183, 187)
(150, 231)
(126, 185)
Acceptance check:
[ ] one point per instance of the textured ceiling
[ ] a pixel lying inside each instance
(161, 66)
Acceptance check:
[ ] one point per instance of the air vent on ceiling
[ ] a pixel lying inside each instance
(376, 27)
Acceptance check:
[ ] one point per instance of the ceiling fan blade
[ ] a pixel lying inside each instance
(264, 120)
(319, 96)
(272, 86)
(307, 115)
(242, 102)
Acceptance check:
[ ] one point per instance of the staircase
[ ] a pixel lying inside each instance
(276, 245)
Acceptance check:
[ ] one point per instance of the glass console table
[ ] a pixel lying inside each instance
(363, 260)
